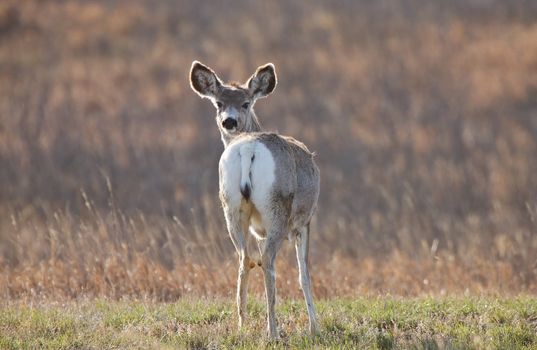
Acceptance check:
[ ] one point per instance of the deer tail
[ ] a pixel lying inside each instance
(247, 156)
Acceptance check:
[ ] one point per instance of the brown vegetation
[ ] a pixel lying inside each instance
(423, 118)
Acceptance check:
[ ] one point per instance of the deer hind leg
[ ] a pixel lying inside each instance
(237, 222)
(302, 247)
(271, 246)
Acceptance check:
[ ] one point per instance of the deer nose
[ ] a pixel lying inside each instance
(229, 123)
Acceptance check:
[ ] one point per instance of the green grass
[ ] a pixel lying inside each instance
(376, 323)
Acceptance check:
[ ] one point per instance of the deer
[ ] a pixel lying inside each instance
(268, 184)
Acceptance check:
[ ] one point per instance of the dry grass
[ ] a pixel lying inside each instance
(117, 256)
(422, 116)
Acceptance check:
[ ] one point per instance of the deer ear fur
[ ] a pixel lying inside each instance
(263, 82)
(204, 80)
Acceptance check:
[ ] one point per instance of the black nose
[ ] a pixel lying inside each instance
(229, 123)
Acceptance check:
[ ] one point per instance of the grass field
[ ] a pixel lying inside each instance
(373, 322)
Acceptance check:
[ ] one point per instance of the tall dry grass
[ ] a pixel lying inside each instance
(423, 117)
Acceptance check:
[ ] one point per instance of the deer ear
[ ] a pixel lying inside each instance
(263, 82)
(204, 81)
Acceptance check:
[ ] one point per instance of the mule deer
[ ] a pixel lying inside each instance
(269, 184)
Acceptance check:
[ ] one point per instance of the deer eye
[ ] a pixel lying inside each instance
(219, 104)
(245, 105)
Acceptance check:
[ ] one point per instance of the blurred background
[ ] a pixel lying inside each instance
(423, 116)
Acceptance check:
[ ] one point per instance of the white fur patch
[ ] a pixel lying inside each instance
(262, 177)
(261, 171)
(230, 175)
(230, 112)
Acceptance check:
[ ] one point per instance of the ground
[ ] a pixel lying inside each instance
(381, 322)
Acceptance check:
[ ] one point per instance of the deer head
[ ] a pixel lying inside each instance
(233, 102)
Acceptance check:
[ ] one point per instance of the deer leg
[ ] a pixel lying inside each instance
(302, 247)
(237, 226)
(272, 245)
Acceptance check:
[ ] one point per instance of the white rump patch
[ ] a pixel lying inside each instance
(262, 177)
(247, 162)
(230, 175)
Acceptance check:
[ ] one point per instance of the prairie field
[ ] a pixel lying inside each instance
(422, 116)
(360, 323)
